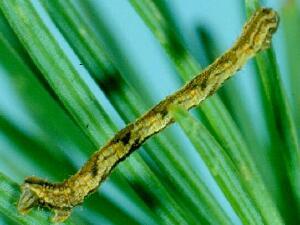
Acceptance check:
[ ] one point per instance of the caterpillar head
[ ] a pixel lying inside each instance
(34, 192)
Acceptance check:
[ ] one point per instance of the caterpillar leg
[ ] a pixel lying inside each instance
(60, 215)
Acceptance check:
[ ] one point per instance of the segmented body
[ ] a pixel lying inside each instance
(62, 197)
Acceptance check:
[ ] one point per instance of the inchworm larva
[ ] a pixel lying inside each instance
(62, 197)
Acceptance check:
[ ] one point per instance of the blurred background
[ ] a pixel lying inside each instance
(72, 73)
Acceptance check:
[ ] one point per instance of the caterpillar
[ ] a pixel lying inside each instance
(63, 197)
